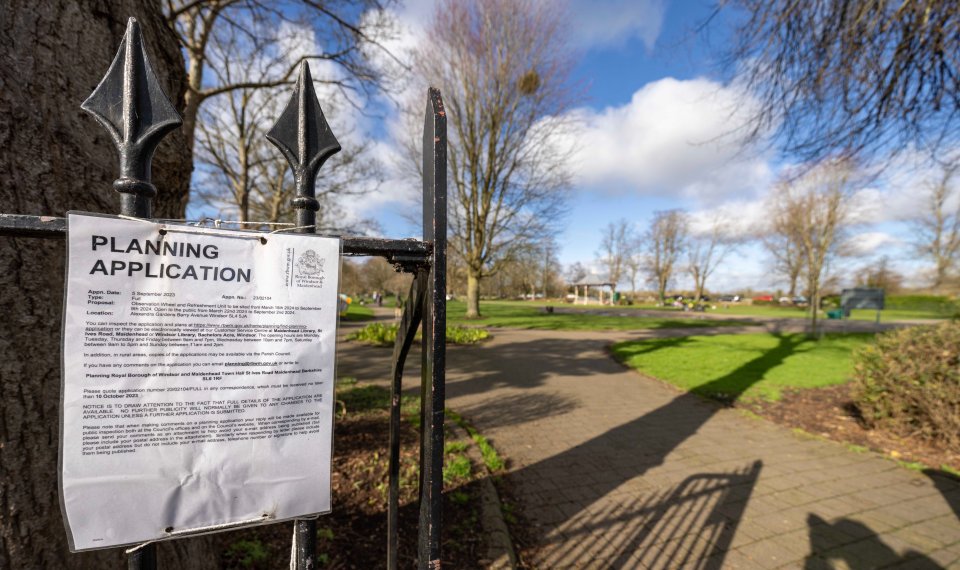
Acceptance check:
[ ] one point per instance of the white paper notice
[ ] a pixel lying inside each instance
(198, 373)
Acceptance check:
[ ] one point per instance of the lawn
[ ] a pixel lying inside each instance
(531, 315)
(886, 316)
(891, 315)
(732, 367)
(358, 312)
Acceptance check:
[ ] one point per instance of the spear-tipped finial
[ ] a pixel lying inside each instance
(304, 137)
(132, 107)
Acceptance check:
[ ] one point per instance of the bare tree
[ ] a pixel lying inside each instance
(615, 249)
(706, 251)
(230, 131)
(575, 272)
(503, 68)
(634, 262)
(665, 242)
(532, 272)
(340, 26)
(812, 211)
(787, 261)
(549, 267)
(937, 228)
(843, 76)
(240, 172)
(881, 276)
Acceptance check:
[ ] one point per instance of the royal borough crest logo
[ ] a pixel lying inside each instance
(309, 270)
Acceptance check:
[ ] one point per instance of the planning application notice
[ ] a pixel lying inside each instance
(198, 374)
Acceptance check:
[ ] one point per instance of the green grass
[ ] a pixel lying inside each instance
(359, 399)
(886, 316)
(524, 315)
(358, 312)
(733, 367)
(456, 468)
(770, 311)
(385, 334)
(891, 315)
(491, 458)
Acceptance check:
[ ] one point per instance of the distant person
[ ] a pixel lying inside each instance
(379, 299)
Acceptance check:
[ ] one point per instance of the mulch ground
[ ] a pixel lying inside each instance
(831, 413)
(354, 535)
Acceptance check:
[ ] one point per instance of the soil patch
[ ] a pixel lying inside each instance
(354, 535)
(830, 413)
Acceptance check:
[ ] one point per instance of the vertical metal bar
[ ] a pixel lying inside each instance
(434, 332)
(406, 332)
(393, 501)
(144, 558)
(303, 136)
(305, 530)
(304, 544)
(132, 107)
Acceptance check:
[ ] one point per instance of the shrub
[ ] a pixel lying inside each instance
(909, 383)
(376, 333)
(466, 335)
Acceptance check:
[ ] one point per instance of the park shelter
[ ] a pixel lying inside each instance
(585, 284)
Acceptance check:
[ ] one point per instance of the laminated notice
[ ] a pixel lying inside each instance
(198, 377)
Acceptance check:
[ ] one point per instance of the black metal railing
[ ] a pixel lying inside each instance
(131, 106)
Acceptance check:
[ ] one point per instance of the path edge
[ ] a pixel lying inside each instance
(499, 543)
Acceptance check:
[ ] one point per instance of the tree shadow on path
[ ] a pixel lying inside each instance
(569, 483)
(948, 486)
(858, 546)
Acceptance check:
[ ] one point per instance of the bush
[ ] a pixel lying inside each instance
(380, 334)
(466, 335)
(909, 383)
(376, 333)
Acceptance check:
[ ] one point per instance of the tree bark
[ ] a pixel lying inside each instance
(54, 158)
(473, 295)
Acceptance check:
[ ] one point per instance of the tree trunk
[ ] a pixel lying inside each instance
(473, 294)
(814, 308)
(53, 158)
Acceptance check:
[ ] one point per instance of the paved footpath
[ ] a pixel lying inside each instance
(616, 470)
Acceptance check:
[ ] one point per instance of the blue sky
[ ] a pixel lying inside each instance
(656, 120)
(654, 97)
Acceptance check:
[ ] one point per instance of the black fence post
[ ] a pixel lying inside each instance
(304, 137)
(434, 331)
(132, 107)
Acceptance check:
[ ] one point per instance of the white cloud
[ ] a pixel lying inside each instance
(868, 243)
(593, 23)
(674, 137)
(597, 24)
(739, 218)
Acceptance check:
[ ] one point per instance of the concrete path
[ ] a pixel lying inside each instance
(616, 470)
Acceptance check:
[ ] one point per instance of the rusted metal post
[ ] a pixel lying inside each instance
(304, 137)
(434, 331)
(406, 333)
(134, 110)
